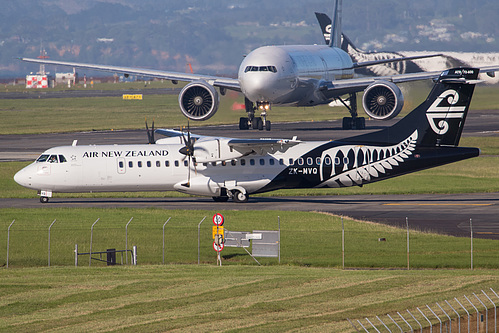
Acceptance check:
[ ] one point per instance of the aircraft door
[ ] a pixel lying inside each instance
(120, 161)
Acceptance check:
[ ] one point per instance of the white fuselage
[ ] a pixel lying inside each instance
(291, 75)
(158, 167)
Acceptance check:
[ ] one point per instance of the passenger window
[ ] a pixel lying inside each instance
(262, 161)
(42, 158)
(214, 163)
(148, 164)
(121, 164)
(271, 162)
(310, 161)
(130, 164)
(62, 159)
(327, 160)
(158, 164)
(186, 163)
(337, 161)
(167, 164)
(300, 161)
(252, 161)
(318, 160)
(139, 164)
(281, 161)
(224, 163)
(176, 163)
(243, 161)
(233, 162)
(291, 161)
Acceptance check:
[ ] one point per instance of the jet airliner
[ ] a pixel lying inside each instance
(225, 168)
(300, 75)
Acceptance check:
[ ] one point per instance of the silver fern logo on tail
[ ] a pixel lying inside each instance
(444, 108)
(353, 165)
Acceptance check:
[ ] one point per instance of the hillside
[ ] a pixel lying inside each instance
(214, 38)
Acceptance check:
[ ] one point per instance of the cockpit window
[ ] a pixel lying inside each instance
(42, 158)
(62, 159)
(272, 69)
(53, 159)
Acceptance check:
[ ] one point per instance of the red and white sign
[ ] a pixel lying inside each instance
(218, 219)
(218, 247)
(36, 81)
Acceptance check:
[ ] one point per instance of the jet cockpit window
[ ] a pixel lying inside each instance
(42, 158)
(272, 69)
(62, 159)
(53, 159)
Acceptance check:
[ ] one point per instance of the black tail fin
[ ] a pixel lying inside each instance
(325, 23)
(439, 120)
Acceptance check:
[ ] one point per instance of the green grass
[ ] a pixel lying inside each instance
(229, 298)
(307, 239)
(105, 113)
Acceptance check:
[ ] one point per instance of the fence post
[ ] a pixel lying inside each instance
(471, 235)
(428, 320)
(134, 255)
(91, 238)
(477, 314)
(400, 328)
(407, 224)
(412, 330)
(164, 239)
(458, 316)
(279, 236)
(417, 321)
(342, 243)
(465, 311)
(445, 313)
(495, 310)
(8, 241)
(76, 255)
(381, 321)
(126, 240)
(199, 236)
(372, 325)
(486, 313)
(49, 240)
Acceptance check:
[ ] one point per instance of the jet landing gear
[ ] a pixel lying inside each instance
(255, 122)
(353, 122)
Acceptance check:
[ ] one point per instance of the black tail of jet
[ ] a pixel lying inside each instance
(439, 120)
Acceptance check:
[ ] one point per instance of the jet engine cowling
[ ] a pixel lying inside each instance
(198, 100)
(383, 100)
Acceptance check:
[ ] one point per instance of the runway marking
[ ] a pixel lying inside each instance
(435, 204)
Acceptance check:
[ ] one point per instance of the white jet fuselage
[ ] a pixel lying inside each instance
(292, 75)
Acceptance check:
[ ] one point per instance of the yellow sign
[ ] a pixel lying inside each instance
(132, 96)
(218, 231)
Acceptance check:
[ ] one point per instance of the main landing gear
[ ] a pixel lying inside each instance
(255, 122)
(236, 195)
(353, 122)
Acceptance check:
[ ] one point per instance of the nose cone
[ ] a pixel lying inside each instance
(23, 178)
(259, 86)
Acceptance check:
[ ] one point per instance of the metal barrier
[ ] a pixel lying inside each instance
(110, 256)
(444, 317)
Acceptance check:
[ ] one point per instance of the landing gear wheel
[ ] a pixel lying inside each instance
(220, 199)
(360, 123)
(347, 123)
(256, 123)
(267, 125)
(239, 197)
(260, 124)
(243, 123)
(44, 199)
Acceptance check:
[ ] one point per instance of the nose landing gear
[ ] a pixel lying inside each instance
(255, 122)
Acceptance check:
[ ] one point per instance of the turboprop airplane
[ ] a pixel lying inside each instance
(226, 168)
(299, 75)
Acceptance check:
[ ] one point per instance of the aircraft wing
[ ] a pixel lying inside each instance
(218, 81)
(346, 86)
(390, 60)
(261, 146)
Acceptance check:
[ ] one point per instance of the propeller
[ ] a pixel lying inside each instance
(150, 134)
(188, 151)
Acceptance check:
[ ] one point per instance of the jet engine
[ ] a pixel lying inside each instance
(383, 100)
(198, 100)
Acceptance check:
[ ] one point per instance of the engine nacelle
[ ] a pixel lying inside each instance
(198, 100)
(199, 186)
(382, 100)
